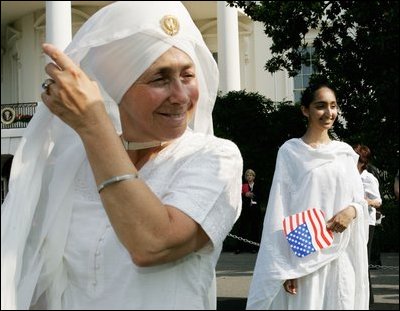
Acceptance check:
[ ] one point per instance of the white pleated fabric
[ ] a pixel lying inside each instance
(333, 278)
(115, 46)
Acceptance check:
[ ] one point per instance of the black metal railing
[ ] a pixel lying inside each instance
(14, 116)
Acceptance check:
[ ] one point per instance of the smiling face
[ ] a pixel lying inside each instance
(159, 105)
(322, 111)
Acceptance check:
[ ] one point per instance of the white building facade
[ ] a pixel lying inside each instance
(239, 45)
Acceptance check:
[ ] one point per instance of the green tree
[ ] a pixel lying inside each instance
(259, 127)
(356, 49)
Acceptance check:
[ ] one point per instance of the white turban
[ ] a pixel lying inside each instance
(115, 46)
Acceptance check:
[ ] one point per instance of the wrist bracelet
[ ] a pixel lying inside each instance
(116, 179)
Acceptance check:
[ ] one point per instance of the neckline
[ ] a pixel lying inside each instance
(315, 145)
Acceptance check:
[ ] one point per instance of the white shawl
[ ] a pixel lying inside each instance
(115, 46)
(325, 178)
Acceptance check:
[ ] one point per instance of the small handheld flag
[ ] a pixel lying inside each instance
(306, 232)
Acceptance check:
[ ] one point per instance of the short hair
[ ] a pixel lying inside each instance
(364, 154)
(250, 171)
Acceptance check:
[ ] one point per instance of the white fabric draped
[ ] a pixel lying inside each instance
(332, 278)
(115, 46)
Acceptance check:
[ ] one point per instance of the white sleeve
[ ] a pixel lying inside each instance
(208, 189)
(371, 187)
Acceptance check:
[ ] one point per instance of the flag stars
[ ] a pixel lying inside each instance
(300, 241)
(306, 232)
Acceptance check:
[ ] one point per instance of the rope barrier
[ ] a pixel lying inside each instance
(377, 267)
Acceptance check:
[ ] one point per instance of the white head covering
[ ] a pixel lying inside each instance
(115, 46)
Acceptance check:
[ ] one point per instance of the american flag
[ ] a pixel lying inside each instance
(306, 232)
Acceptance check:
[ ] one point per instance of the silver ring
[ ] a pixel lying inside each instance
(46, 84)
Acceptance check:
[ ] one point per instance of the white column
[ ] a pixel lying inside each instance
(228, 48)
(58, 23)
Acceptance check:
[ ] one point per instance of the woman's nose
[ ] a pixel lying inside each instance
(329, 111)
(179, 92)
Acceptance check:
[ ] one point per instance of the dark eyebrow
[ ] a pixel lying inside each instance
(324, 102)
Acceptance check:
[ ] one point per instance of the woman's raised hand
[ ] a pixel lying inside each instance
(71, 96)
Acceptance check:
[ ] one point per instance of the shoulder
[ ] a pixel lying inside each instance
(369, 176)
(204, 146)
(293, 150)
(293, 142)
(291, 145)
(340, 148)
(202, 158)
(224, 145)
(342, 145)
(211, 144)
(290, 155)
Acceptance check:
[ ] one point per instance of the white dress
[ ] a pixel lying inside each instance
(198, 174)
(336, 277)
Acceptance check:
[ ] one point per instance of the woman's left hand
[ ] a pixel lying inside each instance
(342, 220)
(290, 286)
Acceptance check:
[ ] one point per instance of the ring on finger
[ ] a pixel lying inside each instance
(46, 84)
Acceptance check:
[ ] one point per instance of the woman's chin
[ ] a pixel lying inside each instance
(172, 134)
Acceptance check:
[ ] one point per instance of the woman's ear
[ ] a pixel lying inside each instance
(304, 111)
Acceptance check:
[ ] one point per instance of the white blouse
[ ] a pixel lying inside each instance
(198, 174)
(371, 190)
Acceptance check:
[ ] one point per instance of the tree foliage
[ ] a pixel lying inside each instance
(259, 127)
(356, 49)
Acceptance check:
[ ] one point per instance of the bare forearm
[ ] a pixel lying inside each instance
(375, 203)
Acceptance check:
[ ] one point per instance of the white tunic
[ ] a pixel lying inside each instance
(198, 174)
(336, 277)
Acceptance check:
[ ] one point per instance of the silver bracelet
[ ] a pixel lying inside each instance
(116, 179)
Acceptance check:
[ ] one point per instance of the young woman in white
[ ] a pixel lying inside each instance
(314, 171)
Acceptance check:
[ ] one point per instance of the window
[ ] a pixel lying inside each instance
(301, 80)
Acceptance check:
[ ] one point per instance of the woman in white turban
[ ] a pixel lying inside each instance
(120, 194)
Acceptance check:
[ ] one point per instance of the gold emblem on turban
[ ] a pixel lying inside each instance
(170, 25)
